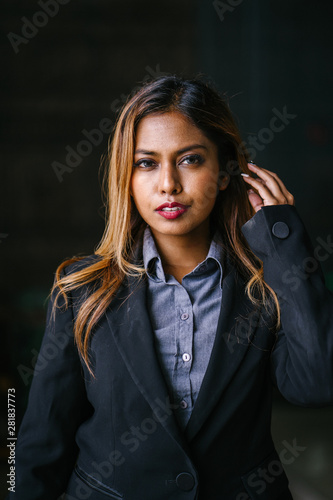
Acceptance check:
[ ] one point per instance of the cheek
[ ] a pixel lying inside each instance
(207, 188)
(141, 182)
(133, 192)
(136, 187)
(138, 191)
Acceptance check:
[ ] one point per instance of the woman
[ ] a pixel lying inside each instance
(166, 342)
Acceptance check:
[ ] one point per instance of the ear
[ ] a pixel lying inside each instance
(224, 182)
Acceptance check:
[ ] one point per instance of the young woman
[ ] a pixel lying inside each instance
(161, 349)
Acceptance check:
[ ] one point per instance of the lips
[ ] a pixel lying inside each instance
(171, 210)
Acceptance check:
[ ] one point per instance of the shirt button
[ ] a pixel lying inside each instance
(186, 356)
(183, 404)
(184, 316)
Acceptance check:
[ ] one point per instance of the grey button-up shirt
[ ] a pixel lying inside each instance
(184, 319)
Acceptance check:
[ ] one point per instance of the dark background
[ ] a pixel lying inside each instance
(74, 69)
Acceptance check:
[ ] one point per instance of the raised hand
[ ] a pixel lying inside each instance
(268, 189)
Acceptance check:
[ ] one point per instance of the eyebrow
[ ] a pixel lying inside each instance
(179, 152)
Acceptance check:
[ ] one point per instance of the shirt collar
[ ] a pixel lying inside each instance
(153, 264)
(151, 258)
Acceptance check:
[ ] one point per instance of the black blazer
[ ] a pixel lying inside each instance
(116, 436)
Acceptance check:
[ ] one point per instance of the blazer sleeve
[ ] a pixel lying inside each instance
(302, 359)
(46, 449)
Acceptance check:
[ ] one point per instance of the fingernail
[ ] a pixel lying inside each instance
(252, 164)
(250, 191)
(245, 175)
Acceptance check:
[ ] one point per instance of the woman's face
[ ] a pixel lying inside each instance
(175, 175)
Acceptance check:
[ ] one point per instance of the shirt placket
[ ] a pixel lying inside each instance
(184, 341)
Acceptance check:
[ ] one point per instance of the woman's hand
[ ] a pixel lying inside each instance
(269, 188)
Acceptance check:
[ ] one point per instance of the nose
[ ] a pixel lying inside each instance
(169, 180)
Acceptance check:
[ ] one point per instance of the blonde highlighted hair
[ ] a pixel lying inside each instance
(209, 111)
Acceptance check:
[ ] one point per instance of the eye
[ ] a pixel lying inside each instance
(144, 164)
(194, 159)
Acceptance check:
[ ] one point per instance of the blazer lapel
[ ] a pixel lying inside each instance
(234, 331)
(130, 325)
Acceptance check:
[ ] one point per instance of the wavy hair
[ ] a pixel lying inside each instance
(209, 111)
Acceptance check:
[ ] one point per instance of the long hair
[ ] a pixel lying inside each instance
(209, 111)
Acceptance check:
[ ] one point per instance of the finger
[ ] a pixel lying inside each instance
(265, 192)
(255, 200)
(267, 176)
(274, 183)
(271, 182)
(283, 188)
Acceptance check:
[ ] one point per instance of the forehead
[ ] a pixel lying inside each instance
(167, 129)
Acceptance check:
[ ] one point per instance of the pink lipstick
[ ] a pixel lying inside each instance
(171, 210)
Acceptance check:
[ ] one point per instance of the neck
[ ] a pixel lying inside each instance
(181, 254)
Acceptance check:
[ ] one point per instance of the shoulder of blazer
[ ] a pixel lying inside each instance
(81, 264)
(79, 295)
(136, 257)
